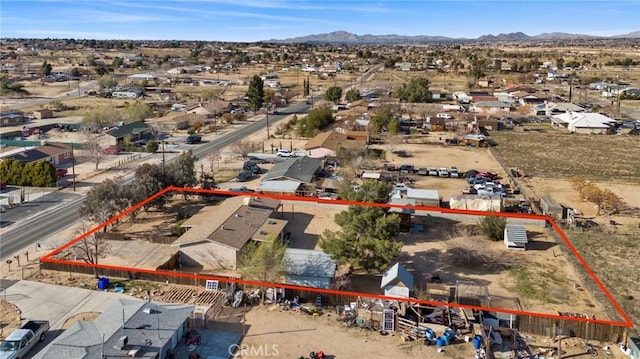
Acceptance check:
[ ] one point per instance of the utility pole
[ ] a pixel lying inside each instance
(73, 168)
(268, 136)
(163, 157)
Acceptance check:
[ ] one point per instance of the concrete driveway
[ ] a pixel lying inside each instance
(55, 303)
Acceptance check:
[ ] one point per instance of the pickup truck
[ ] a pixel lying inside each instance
(22, 340)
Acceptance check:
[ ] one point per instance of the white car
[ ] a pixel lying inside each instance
(284, 153)
(453, 172)
(444, 115)
(443, 172)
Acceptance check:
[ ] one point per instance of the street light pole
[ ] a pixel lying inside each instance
(73, 168)
(268, 136)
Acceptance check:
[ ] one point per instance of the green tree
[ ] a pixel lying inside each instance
(136, 111)
(393, 127)
(416, 91)
(39, 174)
(333, 94)
(381, 119)
(316, 120)
(181, 172)
(107, 82)
(255, 93)
(152, 146)
(367, 237)
(11, 171)
(104, 200)
(263, 261)
(353, 95)
(46, 68)
(7, 87)
(102, 117)
(493, 227)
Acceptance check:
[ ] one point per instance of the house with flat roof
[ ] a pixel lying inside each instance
(127, 328)
(217, 235)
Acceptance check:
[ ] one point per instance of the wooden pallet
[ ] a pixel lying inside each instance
(195, 296)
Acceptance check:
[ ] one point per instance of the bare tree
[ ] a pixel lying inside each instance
(242, 148)
(90, 249)
(214, 157)
(393, 141)
(92, 149)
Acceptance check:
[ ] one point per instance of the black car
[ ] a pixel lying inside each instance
(406, 169)
(244, 176)
(251, 166)
(192, 139)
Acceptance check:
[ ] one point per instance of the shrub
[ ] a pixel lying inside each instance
(493, 227)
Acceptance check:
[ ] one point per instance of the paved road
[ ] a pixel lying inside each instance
(45, 216)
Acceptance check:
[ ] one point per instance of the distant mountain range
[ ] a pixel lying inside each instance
(347, 38)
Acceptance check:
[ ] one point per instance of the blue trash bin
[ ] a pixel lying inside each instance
(103, 283)
(477, 342)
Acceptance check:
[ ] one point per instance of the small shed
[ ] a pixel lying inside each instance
(371, 176)
(551, 208)
(515, 236)
(404, 213)
(308, 268)
(397, 282)
(424, 197)
(42, 113)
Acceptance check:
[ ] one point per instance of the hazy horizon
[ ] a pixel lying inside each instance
(255, 20)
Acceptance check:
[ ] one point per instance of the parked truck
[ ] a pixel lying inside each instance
(21, 341)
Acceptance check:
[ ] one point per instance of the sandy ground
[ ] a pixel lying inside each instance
(296, 335)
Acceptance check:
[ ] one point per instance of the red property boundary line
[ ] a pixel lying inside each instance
(626, 323)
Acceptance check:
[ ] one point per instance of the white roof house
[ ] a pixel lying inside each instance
(397, 282)
(583, 122)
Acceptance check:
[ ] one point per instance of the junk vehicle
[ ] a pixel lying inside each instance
(22, 340)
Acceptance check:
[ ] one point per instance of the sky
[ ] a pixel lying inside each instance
(257, 20)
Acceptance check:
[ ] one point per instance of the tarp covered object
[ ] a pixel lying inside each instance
(476, 202)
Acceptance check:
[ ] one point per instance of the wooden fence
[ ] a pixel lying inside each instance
(552, 327)
(111, 236)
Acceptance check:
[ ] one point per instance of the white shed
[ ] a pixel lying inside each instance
(515, 236)
(397, 282)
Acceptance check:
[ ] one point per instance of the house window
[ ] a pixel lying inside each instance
(211, 285)
(67, 155)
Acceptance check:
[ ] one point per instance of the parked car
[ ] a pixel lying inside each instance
(240, 189)
(193, 139)
(244, 176)
(444, 115)
(453, 172)
(284, 153)
(251, 166)
(402, 153)
(111, 150)
(61, 172)
(400, 187)
(406, 168)
(433, 171)
(422, 171)
(18, 344)
(443, 172)
(389, 167)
